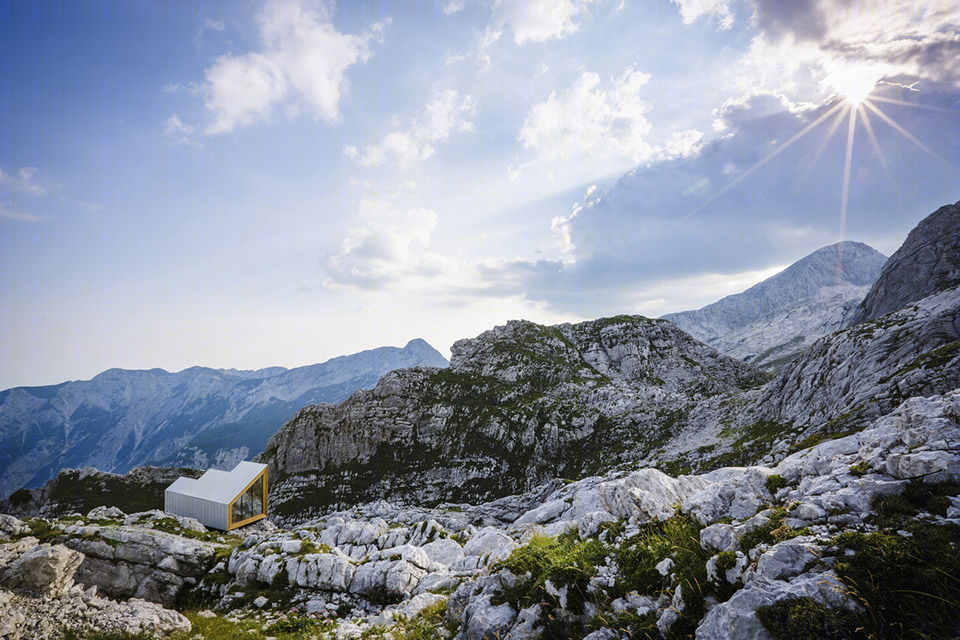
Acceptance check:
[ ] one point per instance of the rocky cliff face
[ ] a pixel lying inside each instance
(524, 403)
(198, 417)
(857, 534)
(80, 490)
(772, 322)
(928, 262)
(519, 405)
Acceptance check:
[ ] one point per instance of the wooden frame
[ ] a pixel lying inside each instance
(233, 525)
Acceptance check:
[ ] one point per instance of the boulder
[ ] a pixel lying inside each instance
(484, 621)
(490, 543)
(443, 551)
(736, 619)
(43, 569)
(787, 559)
(739, 496)
(647, 494)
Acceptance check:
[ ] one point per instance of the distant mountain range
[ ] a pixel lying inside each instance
(198, 417)
(774, 321)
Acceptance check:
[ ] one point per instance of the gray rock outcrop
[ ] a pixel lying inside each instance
(773, 321)
(46, 602)
(928, 262)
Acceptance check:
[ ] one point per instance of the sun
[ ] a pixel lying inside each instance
(851, 82)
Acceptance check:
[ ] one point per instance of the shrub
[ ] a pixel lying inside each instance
(564, 561)
(909, 585)
(860, 469)
(805, 618)
(775, 482)
(677, 538)
(773, 532)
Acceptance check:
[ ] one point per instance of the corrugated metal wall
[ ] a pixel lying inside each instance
(210, 514)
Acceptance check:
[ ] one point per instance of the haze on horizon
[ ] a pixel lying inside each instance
(243, 185)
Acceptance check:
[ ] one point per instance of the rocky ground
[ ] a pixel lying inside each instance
(859, 532)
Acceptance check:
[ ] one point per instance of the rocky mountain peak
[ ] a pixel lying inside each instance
(770, 323)
(925, 264)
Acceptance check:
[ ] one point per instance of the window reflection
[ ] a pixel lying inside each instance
(250, 504)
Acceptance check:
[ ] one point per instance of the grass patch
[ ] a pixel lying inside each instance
(628, 623)
(564, 561)
(677, 538)
(860, 469)
(909, 585)
(806, 618)
(71, 634)
(773, 532)
(821, 436)
(775, 482)
(899, 509)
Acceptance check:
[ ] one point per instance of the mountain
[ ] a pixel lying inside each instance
(607, 479)
(519, 405)
(926, 263)
(198, 417)
(770, 323)
(526, 403)
(854, 537)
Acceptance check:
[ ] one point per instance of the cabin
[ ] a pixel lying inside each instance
(221, 500)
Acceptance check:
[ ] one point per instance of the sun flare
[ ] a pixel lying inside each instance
(853, 83)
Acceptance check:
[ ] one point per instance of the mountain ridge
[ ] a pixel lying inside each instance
(925, 263)
(772, 321)
(197, 417)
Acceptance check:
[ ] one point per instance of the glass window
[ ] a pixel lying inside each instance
(250, 503)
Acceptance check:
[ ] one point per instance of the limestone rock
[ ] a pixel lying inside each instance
(42, 569)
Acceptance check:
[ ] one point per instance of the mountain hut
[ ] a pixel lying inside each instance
(222, 500)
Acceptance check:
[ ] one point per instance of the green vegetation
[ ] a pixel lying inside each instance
(909, 585)
(310, 547)
(773, 532)
(628, 622)
(297, 625)
(752, 442)
(290, 626)
(131, 493)
(933, 359)
(430, 624)
(806, 618)
(898, 509)
(564, 561)
(860, 469)
(821, 436)
(70, 634)
(775, 482)
(45, 531)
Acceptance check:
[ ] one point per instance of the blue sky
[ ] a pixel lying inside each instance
(246, 184)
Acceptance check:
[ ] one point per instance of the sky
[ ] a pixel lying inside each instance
(275, 183)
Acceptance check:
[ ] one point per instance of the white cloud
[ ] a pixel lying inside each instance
(453, 6)
(194, 89)
(301, 67)
(22, 181)
(560, 225)
(815, 47)
(690, 10)
(538, 20)
(214, 25)
(447, 113)
(682, 144)
(175, 130)
(389, 247)
(173, 125)
(591, 120)
(9, 212)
